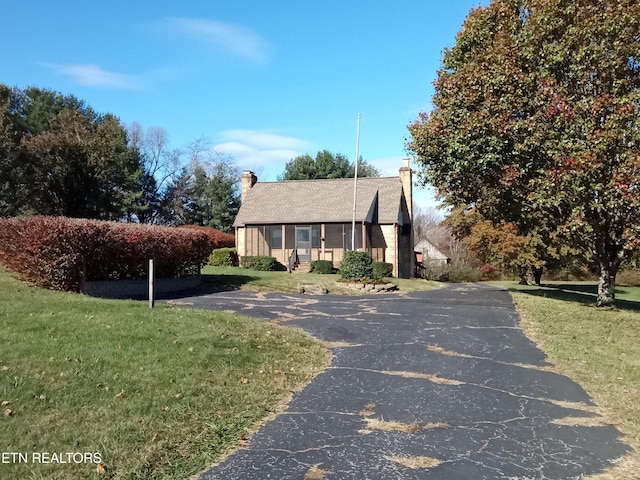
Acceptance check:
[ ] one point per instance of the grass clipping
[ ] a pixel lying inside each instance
(316, 473)
(415, 462)
(392, 426)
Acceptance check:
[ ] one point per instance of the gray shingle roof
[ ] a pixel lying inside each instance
(318, 201)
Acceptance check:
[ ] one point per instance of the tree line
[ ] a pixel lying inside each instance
(59, 157)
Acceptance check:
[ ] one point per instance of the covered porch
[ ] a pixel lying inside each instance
(318, 241)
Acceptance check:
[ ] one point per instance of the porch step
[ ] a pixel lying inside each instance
(303, 267)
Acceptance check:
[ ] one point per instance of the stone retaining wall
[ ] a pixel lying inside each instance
(139, 288)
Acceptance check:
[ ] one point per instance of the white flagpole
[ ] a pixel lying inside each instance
(355, 189)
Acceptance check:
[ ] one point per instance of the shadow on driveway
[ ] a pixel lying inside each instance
(210, 284)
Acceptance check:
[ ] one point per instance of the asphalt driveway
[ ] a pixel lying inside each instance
(427, 385)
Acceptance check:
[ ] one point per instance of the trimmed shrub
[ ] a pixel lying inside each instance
(322, 266)
(356, 265)
(262, 263)
(224, 257)
(245, 262)
(52, 251)
(218, 238)
(382, 269)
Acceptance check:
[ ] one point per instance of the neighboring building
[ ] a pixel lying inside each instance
(315, 217)
(425, 250)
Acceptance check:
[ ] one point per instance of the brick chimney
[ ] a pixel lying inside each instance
(248, 180)
(407, 186)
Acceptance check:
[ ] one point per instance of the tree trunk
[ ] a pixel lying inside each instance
(607, 285)
(610, 254)
(523, 275)
(537, 274)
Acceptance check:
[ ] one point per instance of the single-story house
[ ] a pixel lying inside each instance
(315, 218)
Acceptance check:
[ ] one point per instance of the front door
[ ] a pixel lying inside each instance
(303, 243)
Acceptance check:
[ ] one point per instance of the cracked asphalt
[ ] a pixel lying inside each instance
(428, 385)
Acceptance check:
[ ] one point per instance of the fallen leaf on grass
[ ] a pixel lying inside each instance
(244, 380)
(101, 469)
(166, 408)
(5, 403)
(121, 394)
(8, 412)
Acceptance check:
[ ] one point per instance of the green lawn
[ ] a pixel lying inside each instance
(243, 278)
(597, 347)
(159, 393)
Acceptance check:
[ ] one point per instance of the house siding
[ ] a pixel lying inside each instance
(241, 247)
(380, 241)
(390, 250)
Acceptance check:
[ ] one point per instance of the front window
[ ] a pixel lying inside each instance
(315, 236)
(275, 237)
(348, 244)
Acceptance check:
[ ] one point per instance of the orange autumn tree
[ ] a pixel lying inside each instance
(497, 246)
(535, 124)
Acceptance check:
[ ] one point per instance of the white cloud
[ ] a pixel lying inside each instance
(94, 76)
(255, 150)
(234, 39)
(265, 140)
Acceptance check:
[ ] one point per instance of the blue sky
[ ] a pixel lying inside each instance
(262, 81)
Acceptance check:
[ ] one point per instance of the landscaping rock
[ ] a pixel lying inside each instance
(372, 288)
(312, 288)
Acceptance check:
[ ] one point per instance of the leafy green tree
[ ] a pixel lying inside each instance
(8, 155)
(204, 194)
(535, 122)
(178, 202)
(325, 165)
(61, 158)
(81, 169)
(224, 196)
(34, 108)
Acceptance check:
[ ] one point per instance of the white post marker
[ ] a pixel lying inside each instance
(151, 279)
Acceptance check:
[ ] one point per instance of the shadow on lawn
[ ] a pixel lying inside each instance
(579, 293)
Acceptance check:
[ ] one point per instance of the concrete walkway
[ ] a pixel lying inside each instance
(428, 385)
